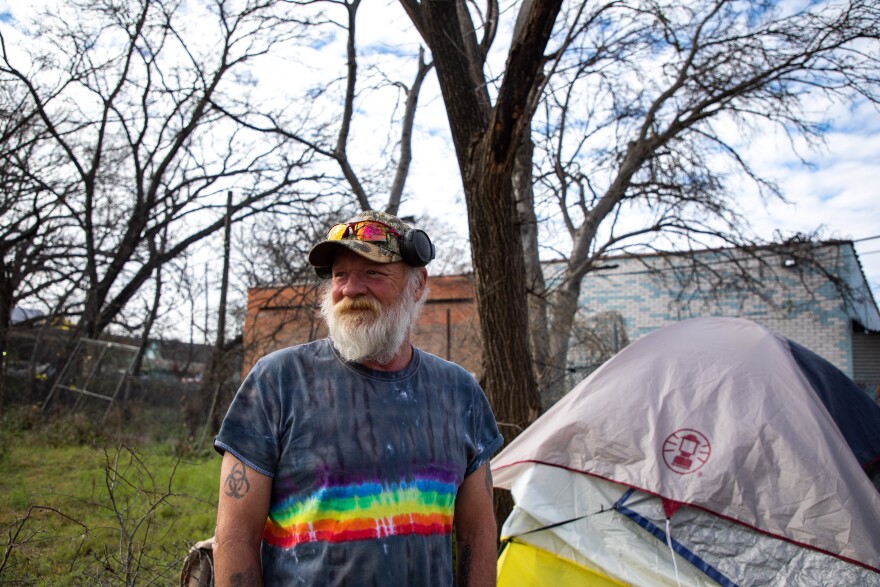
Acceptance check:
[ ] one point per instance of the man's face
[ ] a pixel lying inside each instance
(369, 307)
(356, 278)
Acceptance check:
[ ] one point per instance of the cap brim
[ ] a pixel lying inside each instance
(322, 254)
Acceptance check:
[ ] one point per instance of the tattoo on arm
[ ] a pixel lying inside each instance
(464, 566)
(489, 479)
(246, 578)
(237, 484)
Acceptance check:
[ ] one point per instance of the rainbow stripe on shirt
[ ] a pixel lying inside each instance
(363, 511)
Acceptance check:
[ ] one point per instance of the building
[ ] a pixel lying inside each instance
(813, 293)
(448, 327)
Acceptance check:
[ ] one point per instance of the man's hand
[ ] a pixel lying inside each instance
(241, 517)
(476, 531)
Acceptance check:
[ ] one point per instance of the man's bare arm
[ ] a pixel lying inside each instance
(241, 517)
(476, 531)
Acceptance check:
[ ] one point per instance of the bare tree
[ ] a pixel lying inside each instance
(645, 122)
(640, 103)
(411, 95)
(35, 254)
(131, 97)
(334, 143)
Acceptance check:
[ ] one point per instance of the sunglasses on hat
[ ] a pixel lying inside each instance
(364, 230)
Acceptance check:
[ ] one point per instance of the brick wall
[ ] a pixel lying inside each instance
(448, 327)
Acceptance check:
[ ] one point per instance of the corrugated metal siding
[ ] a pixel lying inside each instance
(866, 362)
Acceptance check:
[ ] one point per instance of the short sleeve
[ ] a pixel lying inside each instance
(251, 428)
(485, 433)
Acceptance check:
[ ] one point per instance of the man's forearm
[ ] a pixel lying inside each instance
(237, 564)
(241, 515)
(476, 539)
(477, 561)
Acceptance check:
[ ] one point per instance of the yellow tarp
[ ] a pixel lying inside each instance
(523, 565)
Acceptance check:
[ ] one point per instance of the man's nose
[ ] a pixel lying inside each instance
(355, 284)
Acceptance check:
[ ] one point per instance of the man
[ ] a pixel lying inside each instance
(347, 461)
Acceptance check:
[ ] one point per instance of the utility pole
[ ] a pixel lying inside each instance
(214, 375)
(224, 285)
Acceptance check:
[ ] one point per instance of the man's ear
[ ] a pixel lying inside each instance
(423, 283)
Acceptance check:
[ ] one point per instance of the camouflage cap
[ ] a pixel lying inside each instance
(321, 255)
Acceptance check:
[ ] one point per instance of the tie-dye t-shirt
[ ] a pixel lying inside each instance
(365, 464)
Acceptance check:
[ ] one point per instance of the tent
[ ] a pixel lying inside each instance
(739, 451)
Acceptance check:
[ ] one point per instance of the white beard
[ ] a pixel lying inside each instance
(362, 330)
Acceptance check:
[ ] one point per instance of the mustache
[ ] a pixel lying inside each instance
(346, 305)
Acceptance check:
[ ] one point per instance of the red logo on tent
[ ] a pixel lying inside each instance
(686, 450)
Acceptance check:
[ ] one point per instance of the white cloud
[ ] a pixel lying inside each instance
(838, 194)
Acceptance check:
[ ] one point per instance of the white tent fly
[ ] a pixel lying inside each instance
(737, 450)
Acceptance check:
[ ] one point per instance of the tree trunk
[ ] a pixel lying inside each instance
(536, 288)
(563, 308)
(499, 269)
(204, 412)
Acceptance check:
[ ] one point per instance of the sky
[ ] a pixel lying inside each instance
(839, 193)
(835, 193)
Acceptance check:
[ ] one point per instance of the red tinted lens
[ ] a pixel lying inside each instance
(371, 231)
